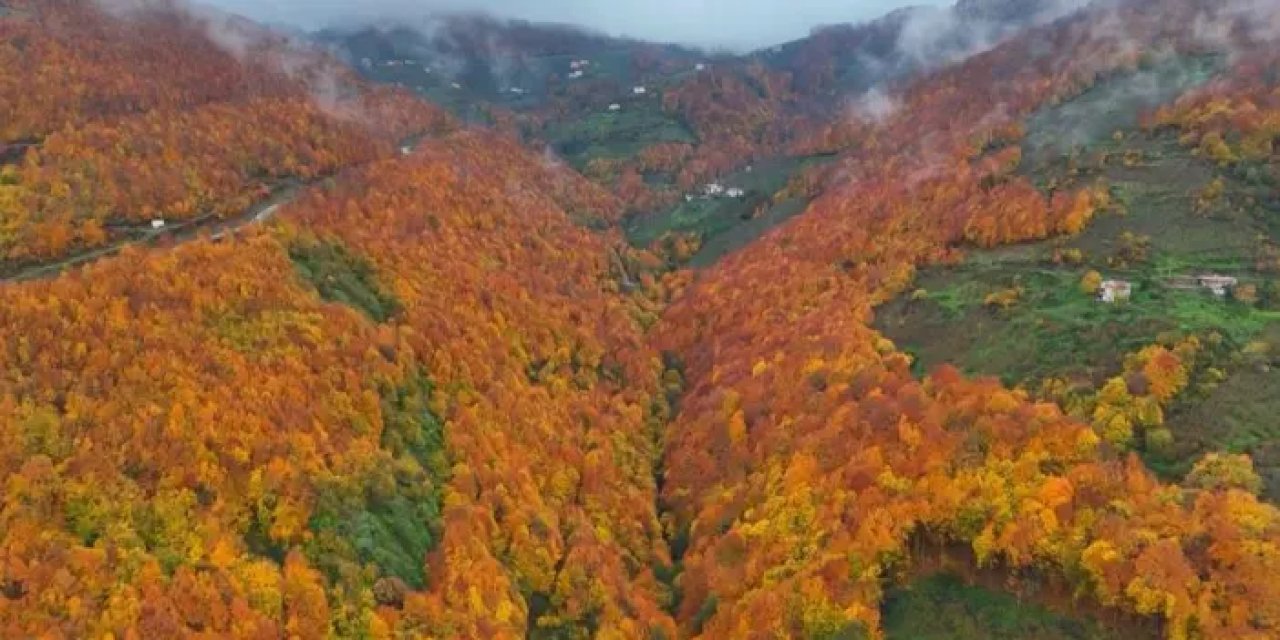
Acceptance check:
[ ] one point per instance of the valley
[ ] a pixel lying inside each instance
(959, 323)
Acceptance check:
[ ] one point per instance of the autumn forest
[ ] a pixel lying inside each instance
(288, 350)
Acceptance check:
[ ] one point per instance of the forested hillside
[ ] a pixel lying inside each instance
(288, 353)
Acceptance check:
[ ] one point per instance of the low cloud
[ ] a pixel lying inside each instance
(874, 106)
(733, 24)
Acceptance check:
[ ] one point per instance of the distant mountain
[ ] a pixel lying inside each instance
(518, 64)
(513, 63)
(838, 59)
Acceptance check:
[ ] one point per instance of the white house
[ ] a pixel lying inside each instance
(455, 85)
(575, 74)
(699, 66)
(157, 224)
(615, 107)
(639, 91)
(517, 90)
(1219, 285)
(713, 190)
(406, 150)
(1112, 291)
(734, 192)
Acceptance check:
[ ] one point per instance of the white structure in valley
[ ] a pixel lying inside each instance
(1113, 291)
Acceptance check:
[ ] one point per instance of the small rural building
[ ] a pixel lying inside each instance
(715, 189)
(406, 150)
(574, 75)
(615, 107)
(699, 66)
(1112, 291)
(639, 91)
(157, 224)
(1219, 285)
(735, 192)
(456, 85)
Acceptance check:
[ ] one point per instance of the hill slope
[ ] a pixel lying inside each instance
(438, 395)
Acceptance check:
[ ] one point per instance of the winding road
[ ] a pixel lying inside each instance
(177, 233)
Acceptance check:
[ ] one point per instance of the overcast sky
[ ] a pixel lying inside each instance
(731, 23)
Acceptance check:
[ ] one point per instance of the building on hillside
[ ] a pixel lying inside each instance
(1112, 291)
(699, 67)
(1218, 285)
(713, 190)
(639, 91)
(734, 192)
(406, 150)
(574, 75)
(615, 107)
(157, 224)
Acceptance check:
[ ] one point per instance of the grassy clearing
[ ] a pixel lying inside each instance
(1238, 416)
(1154, 233)
(341, 276)
(1114, 104)
(727, 224)
(1055, 329)
(942, 607)
(615, 134)
(1161, 226)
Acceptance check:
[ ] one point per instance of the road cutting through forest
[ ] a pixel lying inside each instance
(177, 233)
